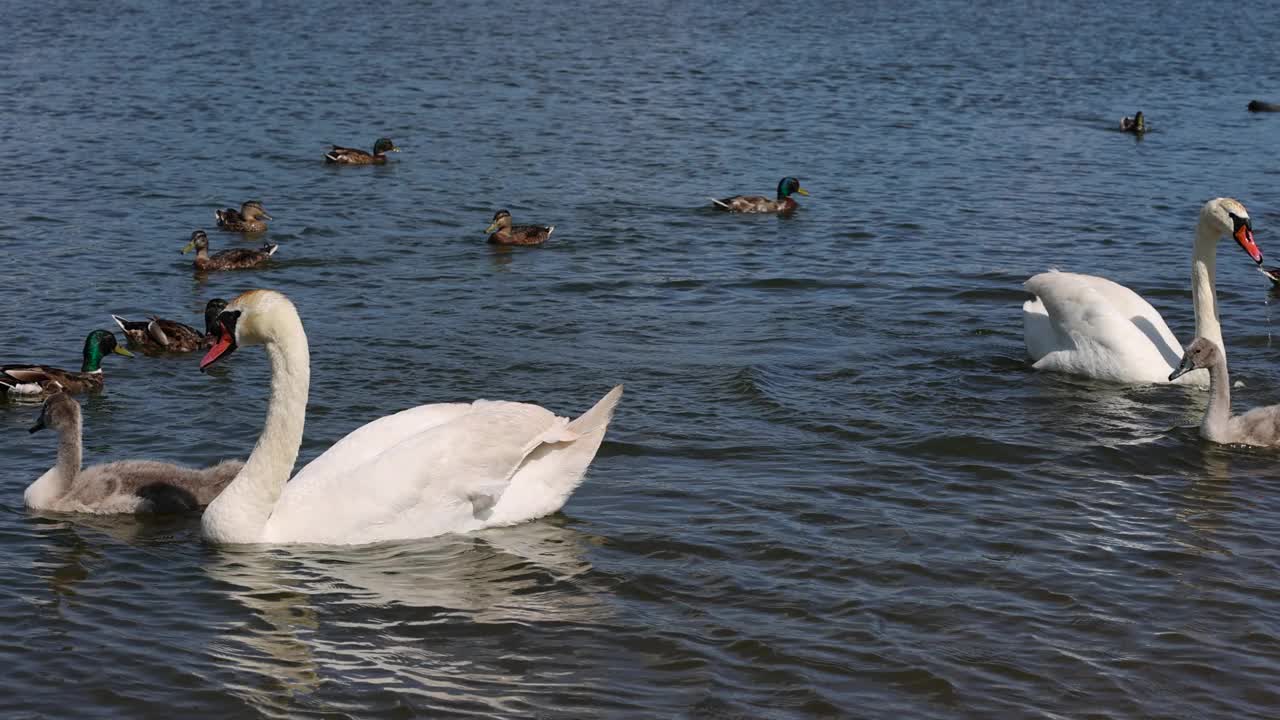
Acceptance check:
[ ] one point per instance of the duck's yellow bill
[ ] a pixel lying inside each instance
(188, 248)
(492, 226)
(121, 351)
(802, 191)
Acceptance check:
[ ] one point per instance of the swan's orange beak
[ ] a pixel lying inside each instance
(1244, 236)
(226, 342)
(223, 347)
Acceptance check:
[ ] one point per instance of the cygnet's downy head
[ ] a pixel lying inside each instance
(1201, 353)
(1231, 218)
(60, 412)
(252, 318)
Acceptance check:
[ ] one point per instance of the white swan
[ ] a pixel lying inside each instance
(1087, 325)
(425, 471)
(125, 486)
(1260, 426)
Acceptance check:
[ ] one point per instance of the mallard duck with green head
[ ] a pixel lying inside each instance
(354, 156)
(233, 259)
(40, 380)
(787, 186)
(157, 335)
(248, 219)
(504, 233)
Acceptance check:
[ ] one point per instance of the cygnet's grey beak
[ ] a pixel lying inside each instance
(38, 426)
(1183, 368)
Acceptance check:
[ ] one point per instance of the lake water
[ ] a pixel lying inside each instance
(834, 488)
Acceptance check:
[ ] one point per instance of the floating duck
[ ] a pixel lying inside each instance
(504, 233)
(760, 204)
(157, 335)
(41, 380)
(353, 156)
(234, 259)
(1136, 124)
(245, 220)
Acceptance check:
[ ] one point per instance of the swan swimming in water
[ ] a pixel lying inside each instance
(1091, 326)
(1259, 426)
(126, 486)
(425, 471)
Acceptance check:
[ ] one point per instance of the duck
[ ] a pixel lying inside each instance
(125, 486)
(233, 259)
(504, 233)
(353, 156)
(426, 471)
(1093, 327)
(760, 204)
(1260, 106)
(1136, 124)
(248, 219)
(157, 335)
(1259, 426)
(41, 380)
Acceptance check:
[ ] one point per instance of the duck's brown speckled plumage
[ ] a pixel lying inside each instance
(355, 156)
(248, 219)
(784, 203)
(158, 335)
(234, 259)
(504, 233)
(41, 380)
(757, 204)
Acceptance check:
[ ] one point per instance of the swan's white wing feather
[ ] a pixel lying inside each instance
(375, 437)
(429, 482)
(1087, 325)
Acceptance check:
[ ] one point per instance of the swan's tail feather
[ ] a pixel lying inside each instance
(120, 321)
(551, 473)
(599, 415)
(721, 203)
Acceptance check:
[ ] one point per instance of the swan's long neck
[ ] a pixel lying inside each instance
(240, 513)
(1204, 294)
(69, 456)
(54, 484)
(1214, 426)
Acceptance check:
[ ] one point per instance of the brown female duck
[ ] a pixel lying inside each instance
(158, 335)
(760, 204)
(248, 219)
(504, 233)
(234, 259)
(40, 380)
(353, 156)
